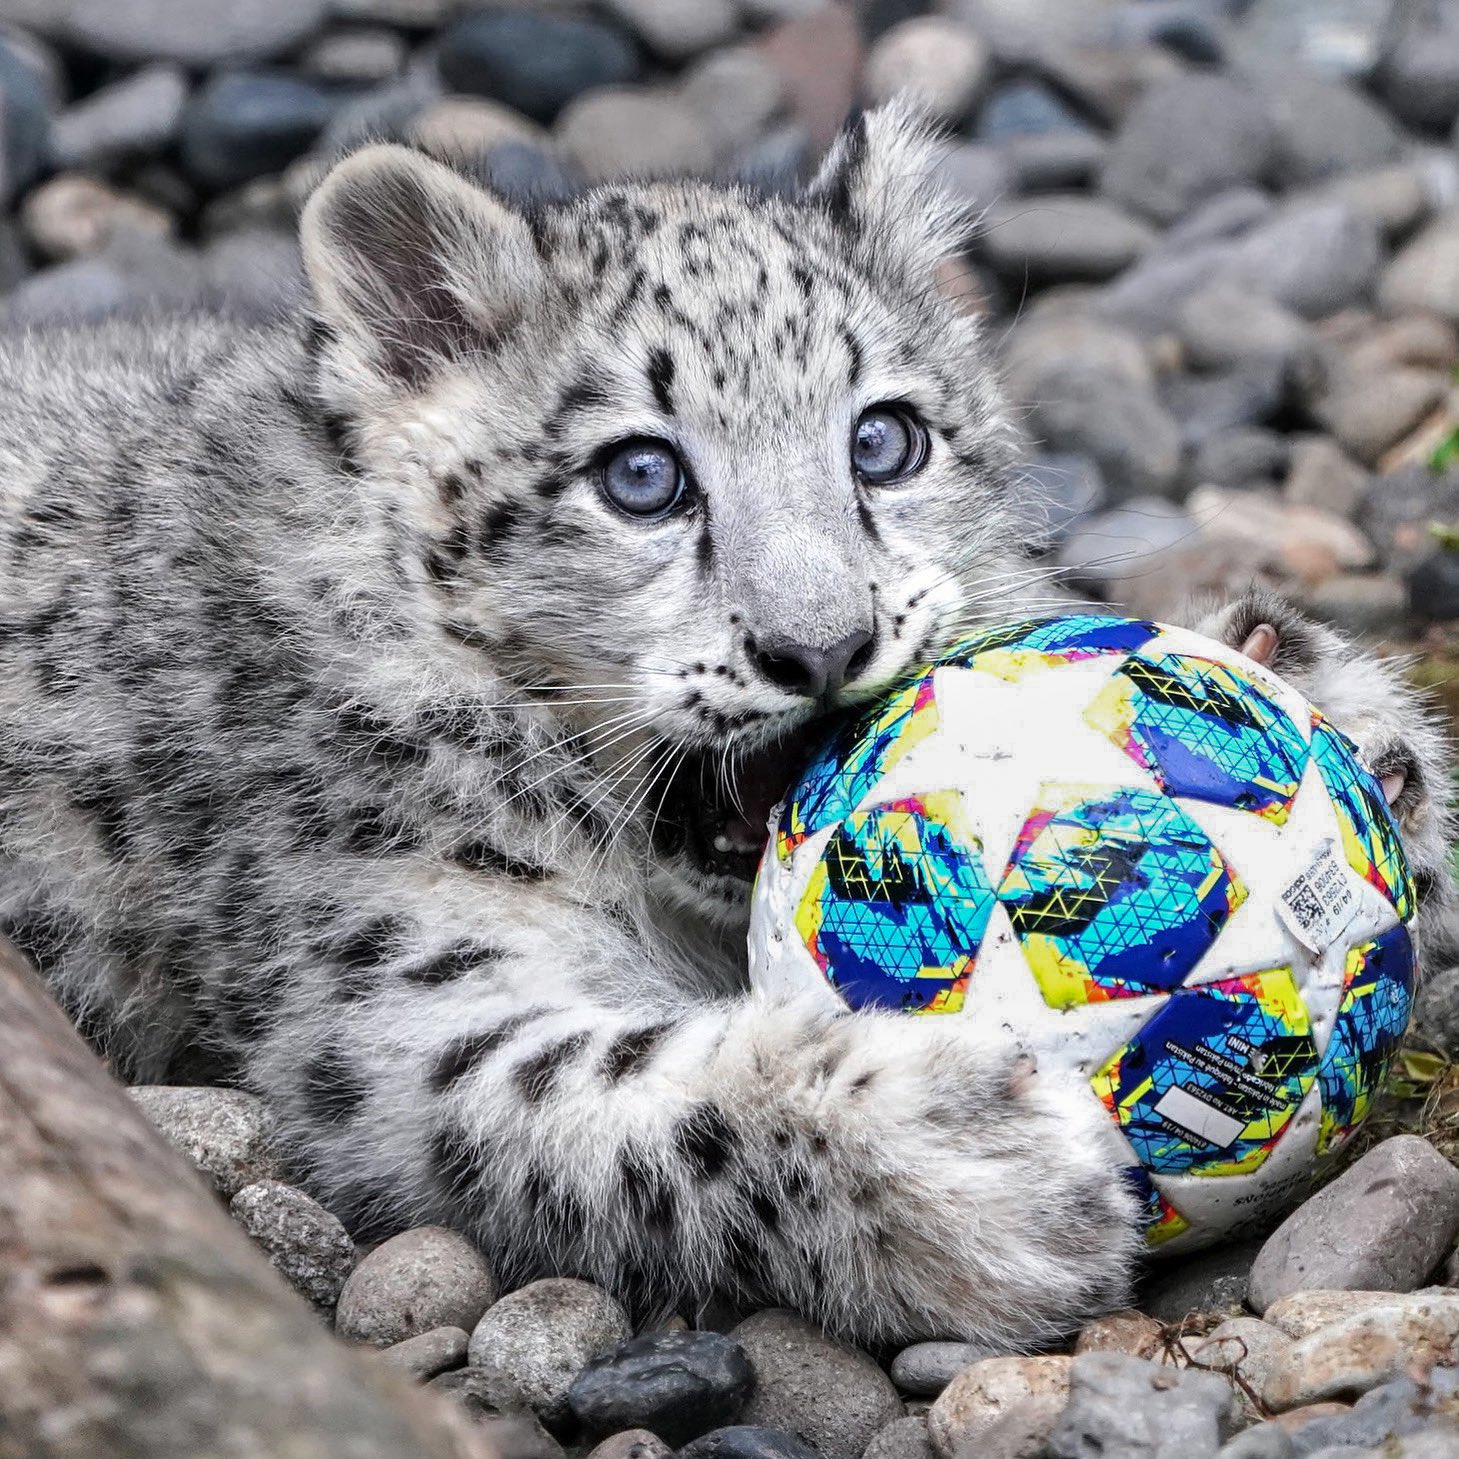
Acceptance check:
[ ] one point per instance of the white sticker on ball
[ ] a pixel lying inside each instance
(1319, 902)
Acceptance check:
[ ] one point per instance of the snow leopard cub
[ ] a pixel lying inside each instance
(370, 687)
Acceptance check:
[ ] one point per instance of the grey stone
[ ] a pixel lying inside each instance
(1241, 456)
(1049, 340)
(498, 1410)
(185, 31)
(225, 1133)
(928, 1367)
(1391, 1410)
(1224, 328)
(1184, 141)
(678, 29)
(1418, 75)
(1424, 274)
(383, 114)
(520, 172)
(832, 1397)
(616, 132)
(1054, 493)
(1314, 258)
(1398, 505)
(1055, 161)
(1102, 550)
(1321, 474)
(748, 1441)
(903, 1438)
(133, 118)
(977, 1401)
(737, 95)
(1436, 1010)
(243, 124)
(1262, 1441)
(363, 55)
(1383, 1225)
(543, 1334)
(25, 122)
(255, 273)
(1121, 426)
(535, 62)
(1334, 37)
(1396, 198)
(1374, 603)
(307, 1246)
(70, 215)
(1062, 238)
(677, 1385)
(1433, 587)
(631, 1444)
(422, 1279)
(1370, 411)
(1025, 108)
(939, 63)
(428, 1354)
(1211, 406)
(1227, 215)
(1209, 1281)
(975, 174)
(1141, 1410)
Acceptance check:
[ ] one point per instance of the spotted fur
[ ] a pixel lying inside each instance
(337, 706)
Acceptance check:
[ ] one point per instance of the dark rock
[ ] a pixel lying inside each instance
(133, 118)
(1207, 406)
(1025, 109)
(748, 1441)
(1418, 75)
(243, 124)
(1190, 29)
(382, 114)
(1433, 587)
(255, 273)
(1436, 1011)
(307, 1246)
(1382, 1226)
(1313, 258)
(1242, 456)
(25, 123)
(1184, 141)
(1397, 508)
(677, 1385)
(1055, 161)
(428, 1354)
(523, 173)
(778, 163)
(1402, 1406)
(927, 1368)
(1210, 1281)
(535, 62)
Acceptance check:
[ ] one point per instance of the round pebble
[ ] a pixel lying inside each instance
(417, 1281)
(927, 1368)
(428, 1354)
(224, 1132)
(631, 1444)
(676, 1384)
(307, 1246)
(543, 1335)
(984, 1393)
(937, 62)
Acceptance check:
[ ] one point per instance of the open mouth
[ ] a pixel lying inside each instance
(718, 806)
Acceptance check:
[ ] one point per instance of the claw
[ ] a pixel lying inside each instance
(1393, 784)
(1261, 644)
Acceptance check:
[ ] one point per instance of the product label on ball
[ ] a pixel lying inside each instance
(1320, 902)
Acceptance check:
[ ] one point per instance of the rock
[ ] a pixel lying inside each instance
(1396, 198)
(365, 55)
(1374, 603)
(498, 1410)
(1418, 75)
(194, 35)
(1321, 474)
(1026, 108)
(1240, 456)
(974, 174)
(1128, 1332)
(1424, 274)
(1392, 1410)
(1054, 492)
(675, 30)
(818, 59)
(832, 1397)
(677, 1385)
(1210, 1281)
(523, 173)
(1184, 141)
(534, 62)
(1049, 341)
(1383, 1224)
(70, 215)
(1287, 541)
(1225, 328)
(134, 118)
(1265, 1441)
(1246, 1346)
(1108, 550)
(243, 124)
(1303, 1313)
(1230, 213)
(1139, 1410)
(1321, 126)
(1213, 406)
(614, 132)
(940, 64)
(1348, 1357)
(422, 1279)
(631, 1444)
(225, 1133)
(134, 274)
(1371, 411)
(982, 1394)
(903, 1438)
(779, 163)
(428, 1353)
(1055, 161)
(928, 1367)
(1313, 258)
(1122, 427)
(1063, 238)
(255, 273)
(1023, 1431)
(1398, 506)
(543, 1334)
(382, 114)
(736, 93)
(25, 122)
(1436, 1013)
(307, 1246)
(461, 130)
(1421, 340)
(748, 1441)
(1433, 587)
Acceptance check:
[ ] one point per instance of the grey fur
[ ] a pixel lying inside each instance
(336, 707)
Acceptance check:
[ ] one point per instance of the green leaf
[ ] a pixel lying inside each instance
(1446, 453)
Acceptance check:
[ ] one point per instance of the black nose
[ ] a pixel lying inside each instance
(816, 673)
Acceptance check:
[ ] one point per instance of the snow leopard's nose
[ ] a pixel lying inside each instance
(816, 673)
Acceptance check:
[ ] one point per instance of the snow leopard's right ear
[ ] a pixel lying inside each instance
(416, 263)
(879, 182)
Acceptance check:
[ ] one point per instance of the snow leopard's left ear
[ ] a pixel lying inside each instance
(417, 265)
(879, 181)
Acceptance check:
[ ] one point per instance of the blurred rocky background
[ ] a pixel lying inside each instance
(1218, 250)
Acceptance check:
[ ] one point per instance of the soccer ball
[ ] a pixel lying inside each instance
(1145, 857)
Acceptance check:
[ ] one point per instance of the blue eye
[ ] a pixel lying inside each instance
(643, 478)
(889, 443)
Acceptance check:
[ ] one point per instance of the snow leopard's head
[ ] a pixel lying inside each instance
(701, 463)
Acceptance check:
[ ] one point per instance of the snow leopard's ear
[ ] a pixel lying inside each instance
(414, 261)
(879, 181)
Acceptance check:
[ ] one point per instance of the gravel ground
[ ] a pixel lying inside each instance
(1219, 257)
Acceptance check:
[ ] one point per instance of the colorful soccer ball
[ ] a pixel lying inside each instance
(1151, 862)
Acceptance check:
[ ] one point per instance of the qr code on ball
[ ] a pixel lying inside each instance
(1320, 902)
